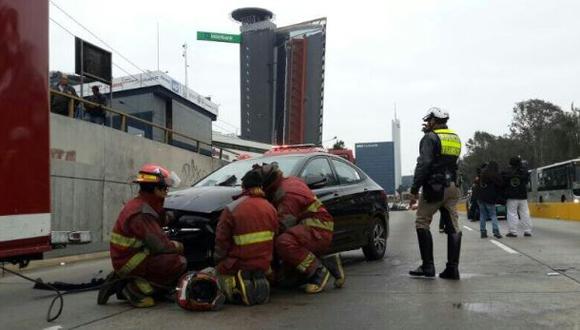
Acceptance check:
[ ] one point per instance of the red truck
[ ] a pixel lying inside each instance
(25, 217)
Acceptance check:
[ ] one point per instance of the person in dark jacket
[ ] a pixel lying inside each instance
(96, 113)
(436, 174)
(490, 185)
(516, 179)
(59, 103)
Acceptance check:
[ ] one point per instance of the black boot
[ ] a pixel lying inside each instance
(427, 269)
(112, 285)
(484, 234)
(451, 271)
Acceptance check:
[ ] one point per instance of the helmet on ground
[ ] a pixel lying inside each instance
(156, 174)
(435, 112)
(200, 291)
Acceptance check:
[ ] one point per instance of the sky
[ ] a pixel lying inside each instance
(474, 58)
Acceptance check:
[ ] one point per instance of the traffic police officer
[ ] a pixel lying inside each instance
(436, 173)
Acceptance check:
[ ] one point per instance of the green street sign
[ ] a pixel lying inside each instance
(220, 37)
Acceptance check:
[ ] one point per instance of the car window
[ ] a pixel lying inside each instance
(346, 173)
(320, 166)
(231, 174)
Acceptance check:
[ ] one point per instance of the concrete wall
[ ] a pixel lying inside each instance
(92, 167)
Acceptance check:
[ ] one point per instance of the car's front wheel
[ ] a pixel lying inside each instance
(377, 241)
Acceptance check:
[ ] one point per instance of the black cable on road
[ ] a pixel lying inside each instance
(58, 296)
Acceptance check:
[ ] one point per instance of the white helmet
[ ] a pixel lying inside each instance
(435, 112)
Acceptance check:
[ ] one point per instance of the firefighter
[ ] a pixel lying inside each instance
(244, 244)
(306, 229)
(436, 174)
(145, 261)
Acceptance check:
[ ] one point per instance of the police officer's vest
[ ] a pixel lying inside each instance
(446, 159)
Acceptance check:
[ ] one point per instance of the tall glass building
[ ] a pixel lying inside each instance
(281, 78)
(377, 159)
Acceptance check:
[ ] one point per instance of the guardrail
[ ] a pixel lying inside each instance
(168, 133)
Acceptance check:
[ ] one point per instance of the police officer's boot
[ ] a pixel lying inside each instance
(113, 285)
(427, 269)
(451, 271)
(334, 266)
(318, 280)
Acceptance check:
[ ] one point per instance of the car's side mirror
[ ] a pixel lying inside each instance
(315, 181)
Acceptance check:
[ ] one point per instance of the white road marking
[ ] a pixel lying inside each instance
(468, 228)
(503, 247)
(56, 327)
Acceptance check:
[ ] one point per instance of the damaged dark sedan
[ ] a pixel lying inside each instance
(357, 203)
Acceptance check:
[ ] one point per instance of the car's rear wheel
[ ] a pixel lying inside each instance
(377, 241)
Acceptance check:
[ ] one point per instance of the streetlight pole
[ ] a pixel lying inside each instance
(186, 66)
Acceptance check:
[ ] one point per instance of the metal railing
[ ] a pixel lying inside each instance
(168, 133)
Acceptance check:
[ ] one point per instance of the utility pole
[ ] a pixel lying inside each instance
(186, 66)
(157, 46)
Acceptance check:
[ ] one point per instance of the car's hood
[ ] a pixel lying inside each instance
(201, 199)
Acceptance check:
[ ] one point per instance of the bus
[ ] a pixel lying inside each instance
(558, 182)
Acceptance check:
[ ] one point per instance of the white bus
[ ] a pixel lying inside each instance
(558, 182)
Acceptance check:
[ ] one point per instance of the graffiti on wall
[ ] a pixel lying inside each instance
(190, 173)
(70, 155)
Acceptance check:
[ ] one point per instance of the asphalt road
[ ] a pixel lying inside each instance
(521, 283)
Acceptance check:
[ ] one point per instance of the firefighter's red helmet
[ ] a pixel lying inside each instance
(157, 174)
(200, 291)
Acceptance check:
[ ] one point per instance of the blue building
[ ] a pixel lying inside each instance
(377, 159)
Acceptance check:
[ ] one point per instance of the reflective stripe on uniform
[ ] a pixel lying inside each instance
(135, 261)
(125, 242)
(315, 206)
(317, 223)
(253, 238)
(450, 142)
(305, 264)
(144, 286)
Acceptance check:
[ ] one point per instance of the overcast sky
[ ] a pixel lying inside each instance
(474, 58)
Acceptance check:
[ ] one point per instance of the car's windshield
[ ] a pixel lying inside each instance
(231, 174)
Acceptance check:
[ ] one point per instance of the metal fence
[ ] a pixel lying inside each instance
(168, 133)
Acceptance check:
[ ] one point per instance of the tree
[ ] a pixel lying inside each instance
(532, 121)
(338, 145)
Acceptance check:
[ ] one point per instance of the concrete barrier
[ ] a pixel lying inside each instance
(560, 211)
(92, 167)
(557, 211)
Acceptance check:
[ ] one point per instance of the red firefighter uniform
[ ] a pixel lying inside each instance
(245, 234)
(309, 225)
(139, 247)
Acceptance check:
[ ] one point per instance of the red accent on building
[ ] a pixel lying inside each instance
(24, 107)
(296, 92)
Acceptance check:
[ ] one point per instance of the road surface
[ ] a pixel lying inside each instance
(511, 283)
